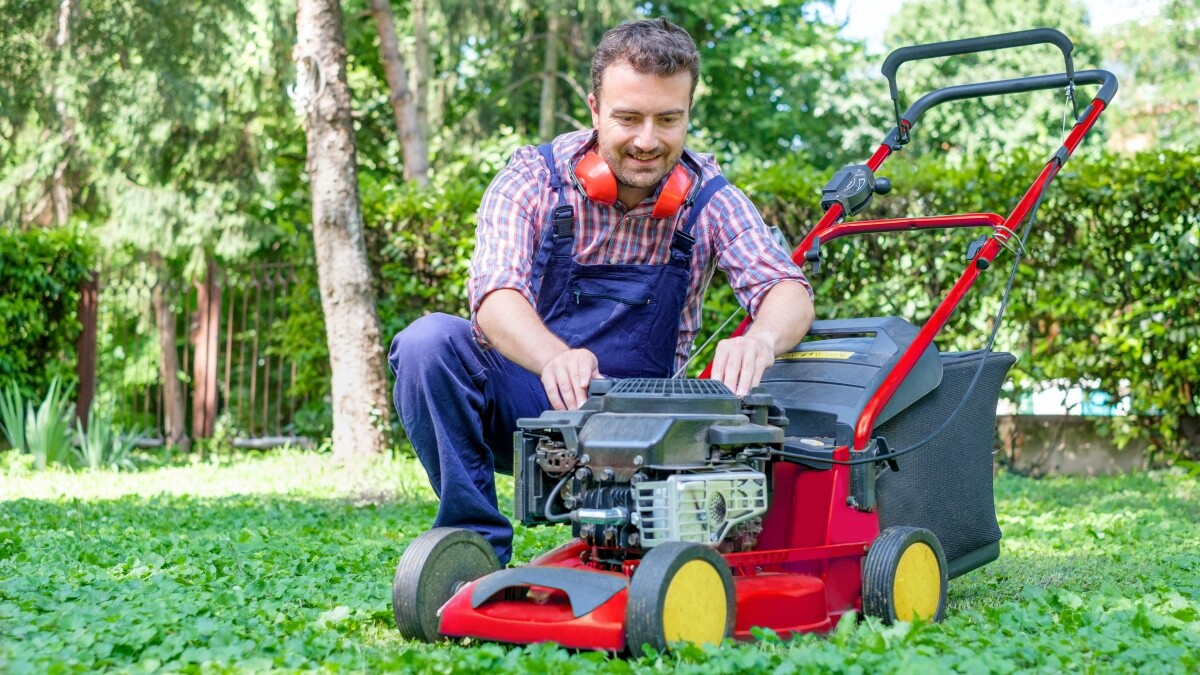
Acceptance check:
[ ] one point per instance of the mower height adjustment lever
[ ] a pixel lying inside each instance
(852, 187)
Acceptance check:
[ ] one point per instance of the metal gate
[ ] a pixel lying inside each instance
(234, 374)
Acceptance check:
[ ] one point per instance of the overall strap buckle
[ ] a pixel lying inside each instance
(682, 243)
(563, 219)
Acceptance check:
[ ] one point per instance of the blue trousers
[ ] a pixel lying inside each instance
(459, 405)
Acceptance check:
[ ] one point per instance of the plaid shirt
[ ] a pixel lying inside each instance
(515, 213)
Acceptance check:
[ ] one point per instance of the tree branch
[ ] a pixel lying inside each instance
(572, 121)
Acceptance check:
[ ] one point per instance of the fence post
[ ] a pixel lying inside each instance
(85, 348)
(204, 365)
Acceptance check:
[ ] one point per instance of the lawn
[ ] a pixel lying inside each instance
(283, 561)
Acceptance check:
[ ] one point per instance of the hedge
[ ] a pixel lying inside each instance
(41, 272)
(1107, 295)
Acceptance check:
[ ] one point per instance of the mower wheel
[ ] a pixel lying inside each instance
(904, 576)
(433, 568)
(681, 592)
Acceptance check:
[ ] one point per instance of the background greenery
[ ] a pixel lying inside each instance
(183, 142)
(284, 561)
(41, 272)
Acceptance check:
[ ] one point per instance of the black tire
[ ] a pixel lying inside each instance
(905, 576)
(681, 592)
(435, 565)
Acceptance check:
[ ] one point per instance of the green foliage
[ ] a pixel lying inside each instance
(284, 561)
(12, 416)
(105, 444)
(776, 78)
(1160, 78)
(48, 427)
(41, 272)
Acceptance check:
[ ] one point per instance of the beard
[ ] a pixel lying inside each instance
(646, 176)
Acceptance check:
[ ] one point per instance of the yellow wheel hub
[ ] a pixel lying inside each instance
(918, 585)
(694, 608)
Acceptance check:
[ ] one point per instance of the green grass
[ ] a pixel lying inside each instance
(284, 562)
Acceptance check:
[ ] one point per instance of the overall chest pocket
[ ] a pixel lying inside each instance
(612, 313)
(581, 296)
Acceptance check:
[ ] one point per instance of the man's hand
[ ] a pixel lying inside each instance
(566, 378)
(740, 362)
(784, 316)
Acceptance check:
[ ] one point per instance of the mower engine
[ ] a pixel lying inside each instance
(647, 461)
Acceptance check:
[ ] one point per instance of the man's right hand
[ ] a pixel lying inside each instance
(513, 327)
(566, 378)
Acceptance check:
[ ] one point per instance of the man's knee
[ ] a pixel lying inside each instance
(427, 340)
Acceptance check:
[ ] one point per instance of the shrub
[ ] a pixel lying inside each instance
(1108, 293)
(41, 272)
(48, 427)
(105, 444)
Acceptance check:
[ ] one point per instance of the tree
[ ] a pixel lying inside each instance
(360, 393)
(60, 195)
(550, 71)
(774, 76)
(408, 124)
(1160, 85)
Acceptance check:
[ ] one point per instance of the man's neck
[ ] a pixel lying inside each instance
(632, 196)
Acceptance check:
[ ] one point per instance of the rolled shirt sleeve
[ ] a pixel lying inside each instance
(507, 225)
(746, 251)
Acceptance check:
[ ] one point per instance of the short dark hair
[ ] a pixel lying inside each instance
(652, 46)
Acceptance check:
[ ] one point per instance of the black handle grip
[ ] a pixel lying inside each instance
(977, 44)
(1106, 80)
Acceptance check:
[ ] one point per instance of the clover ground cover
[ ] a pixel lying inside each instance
(283, 561)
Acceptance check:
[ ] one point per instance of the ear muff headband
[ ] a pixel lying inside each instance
(596, 178)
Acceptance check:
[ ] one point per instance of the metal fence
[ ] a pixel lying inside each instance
(233, 375)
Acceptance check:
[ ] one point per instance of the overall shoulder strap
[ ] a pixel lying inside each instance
(562, 218)
(682, 241)
(707, 192)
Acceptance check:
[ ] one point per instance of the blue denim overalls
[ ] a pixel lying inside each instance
(459, 403)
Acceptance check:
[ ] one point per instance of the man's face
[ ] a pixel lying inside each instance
(641, 121)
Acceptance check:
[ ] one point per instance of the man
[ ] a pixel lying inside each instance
(591, 260)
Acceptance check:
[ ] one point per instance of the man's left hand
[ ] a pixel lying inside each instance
(740, 362)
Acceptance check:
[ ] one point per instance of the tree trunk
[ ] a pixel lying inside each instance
(550, 71)
(361, 403)
(204, 339)
(59, 192)
(174, 415)
(412, 141)
(85, 349)
(422, 65)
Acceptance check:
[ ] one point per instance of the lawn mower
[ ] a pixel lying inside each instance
(856, 478)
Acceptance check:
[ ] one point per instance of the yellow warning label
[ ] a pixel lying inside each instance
(795, 356)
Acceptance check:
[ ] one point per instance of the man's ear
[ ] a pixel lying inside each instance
(594, 105)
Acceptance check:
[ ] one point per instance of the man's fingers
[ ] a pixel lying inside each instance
(720, 361)
(761, 363)
(550, 384)
(740, 362)
(566, 378)
(567, 386)
(744, 372)
(582, 371)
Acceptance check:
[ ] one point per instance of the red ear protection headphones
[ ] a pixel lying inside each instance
(596, 178)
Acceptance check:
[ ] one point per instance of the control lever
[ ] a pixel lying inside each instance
(852, 187)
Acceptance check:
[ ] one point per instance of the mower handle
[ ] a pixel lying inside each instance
(974, 45)
(1104, 78)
